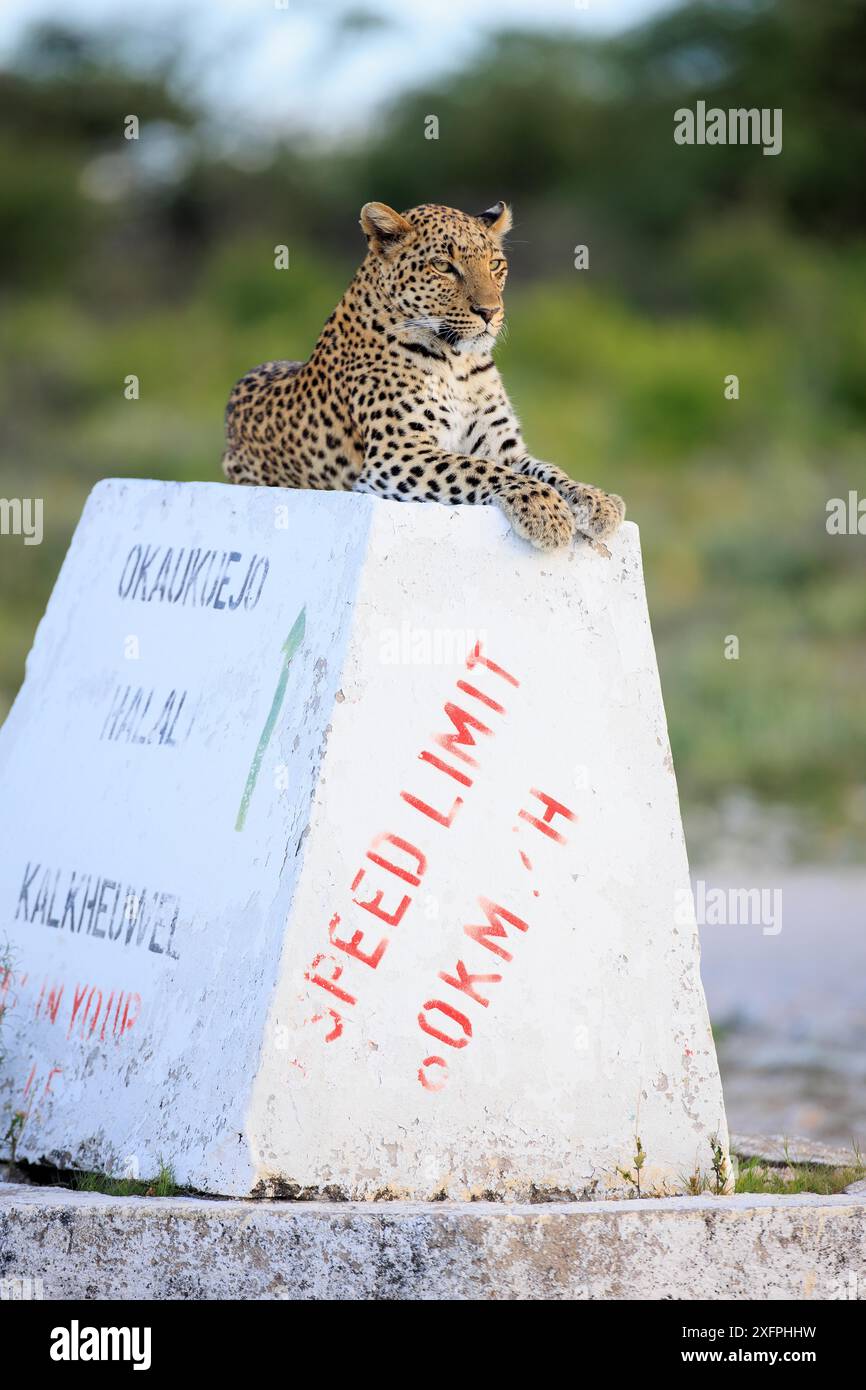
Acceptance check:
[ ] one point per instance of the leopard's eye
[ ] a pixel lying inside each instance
(496, 265)
(443, 267)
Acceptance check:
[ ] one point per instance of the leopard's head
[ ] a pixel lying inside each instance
(440, 271)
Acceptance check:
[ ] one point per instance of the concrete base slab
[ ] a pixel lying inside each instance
(83, 1245)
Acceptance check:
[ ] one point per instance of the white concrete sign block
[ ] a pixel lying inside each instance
(341, 854)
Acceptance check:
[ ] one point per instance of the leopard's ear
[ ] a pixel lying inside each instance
(382, 226)
(497, 220)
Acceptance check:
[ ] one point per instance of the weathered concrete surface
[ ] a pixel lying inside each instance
(88, 1246)
(342, 854)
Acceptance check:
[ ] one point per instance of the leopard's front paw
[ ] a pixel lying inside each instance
(596, 514)
(537, 512)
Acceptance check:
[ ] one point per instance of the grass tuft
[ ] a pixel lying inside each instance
(755, 1176)
(163, 1185)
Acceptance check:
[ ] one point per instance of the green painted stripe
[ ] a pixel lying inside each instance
(290, 646)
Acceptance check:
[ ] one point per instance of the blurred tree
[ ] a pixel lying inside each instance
(156, 257)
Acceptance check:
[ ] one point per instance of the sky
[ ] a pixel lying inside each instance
(325, 64)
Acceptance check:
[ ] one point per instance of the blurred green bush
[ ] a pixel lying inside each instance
(702, 264)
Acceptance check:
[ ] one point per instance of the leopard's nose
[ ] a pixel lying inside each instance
(485, 311)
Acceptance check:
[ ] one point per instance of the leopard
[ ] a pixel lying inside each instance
(401, 397)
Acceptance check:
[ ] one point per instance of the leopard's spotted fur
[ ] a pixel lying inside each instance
(401, 396)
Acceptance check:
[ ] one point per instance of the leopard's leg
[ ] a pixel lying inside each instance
(418, 471)
(496, 430)
(597, 514)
